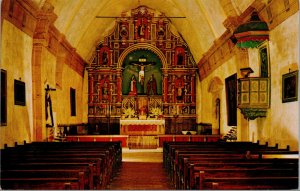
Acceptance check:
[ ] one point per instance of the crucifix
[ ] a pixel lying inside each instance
(48, 102)
(142, 63)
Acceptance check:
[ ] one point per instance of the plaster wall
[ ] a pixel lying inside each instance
(71, 79)
(16, 60)
(207, 103)
(60, 98)
(16, 55)
(282, 122)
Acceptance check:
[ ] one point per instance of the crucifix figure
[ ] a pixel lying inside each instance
(48, 106)
(142, 63)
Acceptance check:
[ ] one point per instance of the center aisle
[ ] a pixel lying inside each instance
(141, 170)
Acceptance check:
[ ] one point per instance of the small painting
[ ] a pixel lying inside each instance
(290, 87)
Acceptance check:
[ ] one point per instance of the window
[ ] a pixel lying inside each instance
(3, 98)
(264, 60)
(73, 101)
(19, 88)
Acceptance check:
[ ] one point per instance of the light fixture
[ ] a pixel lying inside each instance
(246, 71)
(252, 33)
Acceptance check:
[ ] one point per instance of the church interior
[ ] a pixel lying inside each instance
(131, 87)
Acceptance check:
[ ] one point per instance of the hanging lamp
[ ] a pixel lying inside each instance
(252, 33)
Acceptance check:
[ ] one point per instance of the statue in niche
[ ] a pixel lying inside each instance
(98, 93)
(133, 90)
(141, 30)
(179, 59)
(180, 91)
(104, 58)
(105, 89)
(186, 100)
(179, 84)
(151, 86)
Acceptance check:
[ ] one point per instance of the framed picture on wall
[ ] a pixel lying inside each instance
(290, 87)
(19, 91)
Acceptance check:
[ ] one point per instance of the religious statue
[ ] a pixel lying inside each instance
(151, 86)
(180, 91)
(105, 89)
(141, 30)
(104, 58)
(142, 75)
(180, 88)
(133, 90)
(141, 65)
(48, 102)
(179, 59)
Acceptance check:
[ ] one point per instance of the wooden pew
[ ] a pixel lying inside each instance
(251, 183)
(212, 178)
(98, 174)
(174, 153)
(260, 152)
(93, 178)
(41, 183)
(65, 156)
(8, 176)
(114, 159)
(193, 169)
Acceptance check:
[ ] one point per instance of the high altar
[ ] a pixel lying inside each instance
(142, 78)
(142, 127)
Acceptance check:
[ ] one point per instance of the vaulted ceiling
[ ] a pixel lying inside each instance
(203, 22)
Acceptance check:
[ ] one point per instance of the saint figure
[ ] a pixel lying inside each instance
(104, 58)
(151, 86)
(133, 90)
(179, 59)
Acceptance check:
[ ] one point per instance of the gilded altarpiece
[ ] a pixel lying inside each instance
(143, 70)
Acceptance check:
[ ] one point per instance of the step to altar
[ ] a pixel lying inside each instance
(142, 141)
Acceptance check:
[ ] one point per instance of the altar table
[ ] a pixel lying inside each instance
(142, 127)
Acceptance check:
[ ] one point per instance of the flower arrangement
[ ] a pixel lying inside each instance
(129, 112)
(156, 111)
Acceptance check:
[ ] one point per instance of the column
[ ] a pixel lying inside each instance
(119, 86)
(193, 88)
(165, 87)
(91, 87)
(37, 93)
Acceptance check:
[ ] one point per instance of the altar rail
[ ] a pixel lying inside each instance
(159, 143)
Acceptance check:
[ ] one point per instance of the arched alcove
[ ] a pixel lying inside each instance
(142, 65)
(215, 87)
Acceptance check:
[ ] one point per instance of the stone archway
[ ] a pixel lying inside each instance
(144, 46)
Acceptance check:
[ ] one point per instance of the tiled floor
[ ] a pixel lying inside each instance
(141, 169)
